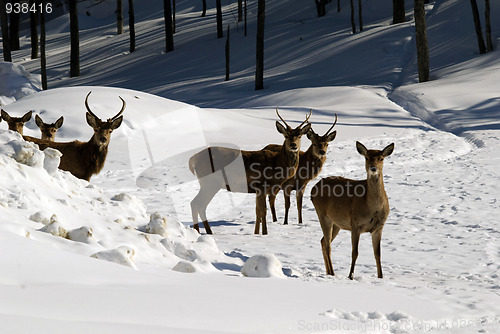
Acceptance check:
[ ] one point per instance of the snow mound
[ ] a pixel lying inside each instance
(83, 234)
(16, 82)
(54, 227)
(123, 255)
(23, 152)
(51, 160)
(396, 319)
(157, 225)
(263, 266)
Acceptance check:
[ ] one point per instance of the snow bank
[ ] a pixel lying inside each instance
(16, 82)
(266, 265)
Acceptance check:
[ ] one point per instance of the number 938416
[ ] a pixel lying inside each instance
(25, 8)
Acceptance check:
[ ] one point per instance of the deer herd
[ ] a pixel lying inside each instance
(357, 206)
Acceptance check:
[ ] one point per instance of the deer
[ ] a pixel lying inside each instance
(16, 123)
(358, 206)
(310, 165)
(264, 170)
(48, 130)
(84, 159)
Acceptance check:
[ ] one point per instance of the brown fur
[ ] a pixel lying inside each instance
(310, 165)
(48, 130)
(84, 159)
(264, 170)
(16, 123)
(358, 206)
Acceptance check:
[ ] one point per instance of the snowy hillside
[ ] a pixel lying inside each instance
(118, 254)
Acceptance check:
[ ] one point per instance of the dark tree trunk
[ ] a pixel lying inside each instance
(245, 4)
(421, 39)
(489, 42)
(398, 11)
(43, 59)
(169, 33)
(34, 30)
(131, 24)
(7, 56)
(477, 25)
(227, 54)
(338, 6)
(360, 14)
(240, 10)
(204, 12)
(75, 39)
(320, 7)
(173, 17)
(14, 31)
(259, 66)
(119, 17)
(220, 32)
(353, 22)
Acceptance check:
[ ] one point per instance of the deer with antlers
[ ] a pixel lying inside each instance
(259, 173)
(48, 130)
(310, 165)
(16, 123)
(358, 206)
(84, 159)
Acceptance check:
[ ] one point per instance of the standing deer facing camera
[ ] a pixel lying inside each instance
(48, 130)
(261, 172)
(16, 123)
(310, 165)
(358, 206)
(84, 159)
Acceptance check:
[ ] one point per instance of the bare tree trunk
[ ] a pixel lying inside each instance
(421, 39)
(477, 25)
(43, 58)
(353, 22)
(119, 17)
(398, 11)
(7, 55)
(34, 30)
(204, 12)
(360, 14)
(14, 31)
(245, 17)
(338, 6)
(320, 7)
(174, 27)
(220, 32)
(169, 33)
(131, 24)
(259, 66)
(75, 40)
(240, 10)
(489, 42)
(227, 54)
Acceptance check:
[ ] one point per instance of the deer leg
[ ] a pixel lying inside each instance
(286, 194)
(194, 213)
(272, 199)
(257, 215)
(330, 231)
(300, 195)
(355, 243)
(199, 206)
(376, 238)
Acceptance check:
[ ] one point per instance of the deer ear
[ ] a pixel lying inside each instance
(332, 136)
(116, 123)
(281, 129)
(310, 134)
(38, 121)
(387, 151)
(91, 120)
(5, 116)
(59, 122)
(361, 149)
(305, 129)
(27, 116)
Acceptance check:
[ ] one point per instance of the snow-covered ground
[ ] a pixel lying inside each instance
(118, 255)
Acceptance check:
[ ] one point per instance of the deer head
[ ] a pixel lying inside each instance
(320, 143)
(16, 123)
(374, 159)
(103, 129)
(48, 130)
(292, 136)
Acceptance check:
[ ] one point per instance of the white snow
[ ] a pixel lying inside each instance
(118, 254)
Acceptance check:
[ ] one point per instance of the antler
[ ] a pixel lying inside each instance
(330, 129)
(288, 126)
(110, 119)
(121, 111)
(307, 119)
